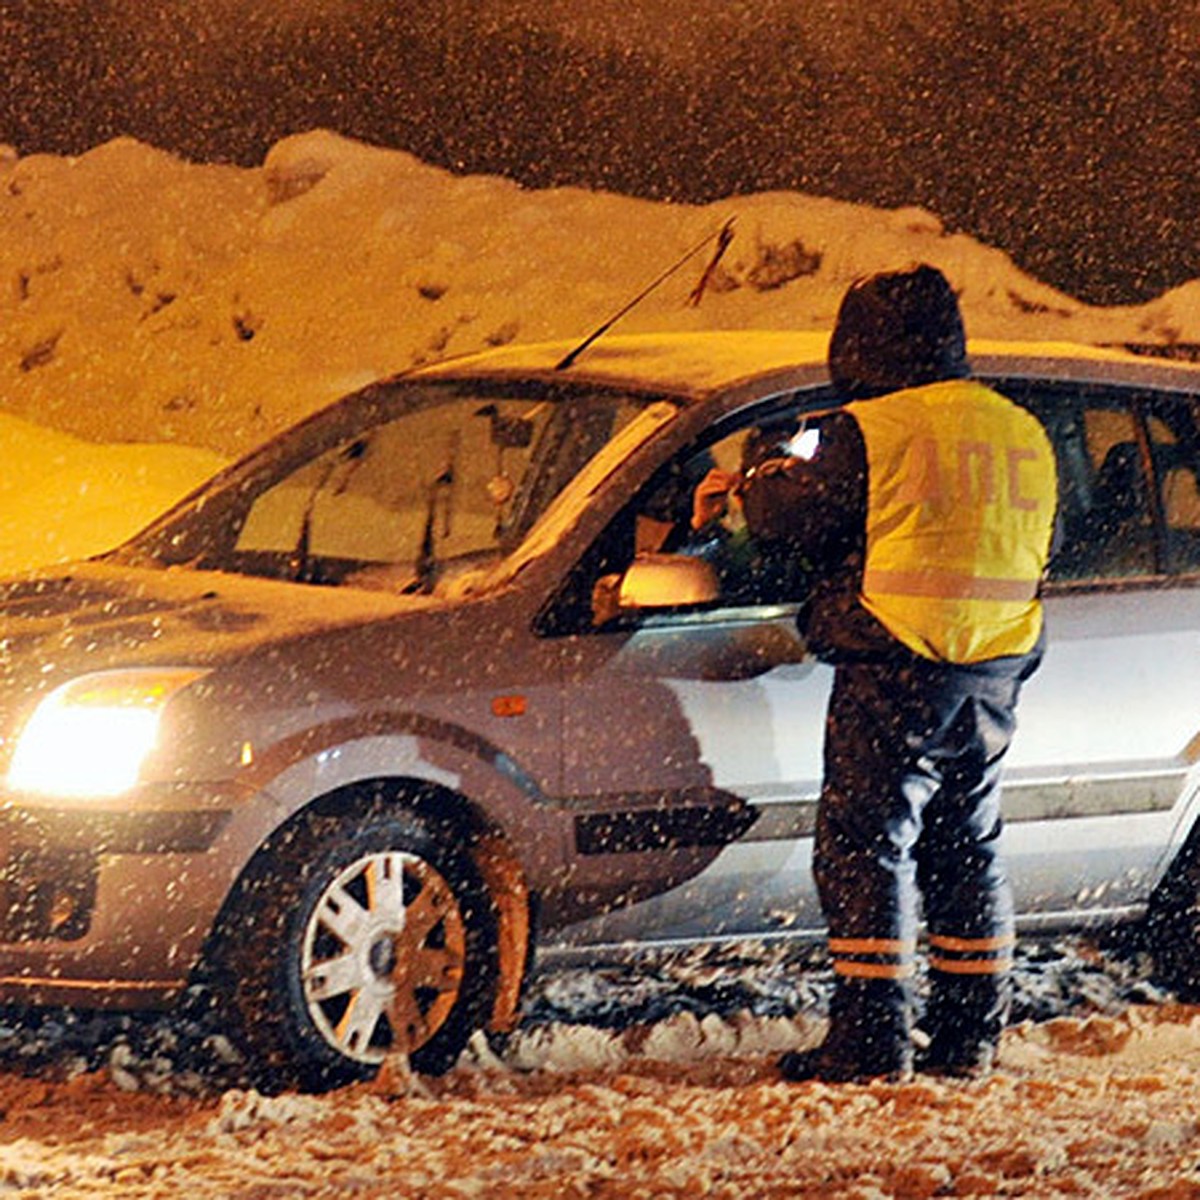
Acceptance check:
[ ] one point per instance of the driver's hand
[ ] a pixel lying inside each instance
(710, 500)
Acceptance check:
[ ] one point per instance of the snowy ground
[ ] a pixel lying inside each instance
(175, 314)
(652, 1078)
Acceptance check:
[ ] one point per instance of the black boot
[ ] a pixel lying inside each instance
(869, 1036)
(964, 1019)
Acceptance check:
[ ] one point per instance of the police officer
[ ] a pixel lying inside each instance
(929, 509)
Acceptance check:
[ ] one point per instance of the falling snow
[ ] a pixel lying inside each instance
(158, 317)
(144, 299)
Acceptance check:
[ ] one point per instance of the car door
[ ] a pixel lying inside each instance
(1102, 770)
(681, 709)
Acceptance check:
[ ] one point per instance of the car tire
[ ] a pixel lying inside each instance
(1172, 929)
(346, 925)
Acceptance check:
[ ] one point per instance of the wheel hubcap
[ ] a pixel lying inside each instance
(383, 956)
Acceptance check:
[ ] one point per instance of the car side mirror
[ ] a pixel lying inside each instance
(654, 581)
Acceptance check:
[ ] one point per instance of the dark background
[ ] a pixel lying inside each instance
(1066, 133)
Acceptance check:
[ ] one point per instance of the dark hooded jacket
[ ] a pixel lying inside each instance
(893, 332)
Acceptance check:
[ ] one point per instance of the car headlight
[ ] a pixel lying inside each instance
(91, 736)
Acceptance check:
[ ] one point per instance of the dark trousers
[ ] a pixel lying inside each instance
(910, 816)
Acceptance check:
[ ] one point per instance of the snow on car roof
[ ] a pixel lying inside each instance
(685, 362)
(699, 362)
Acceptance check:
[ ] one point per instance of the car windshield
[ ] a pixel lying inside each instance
(403, 486)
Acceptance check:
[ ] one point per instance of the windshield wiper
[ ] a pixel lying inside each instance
(299, 566)
(441, 483)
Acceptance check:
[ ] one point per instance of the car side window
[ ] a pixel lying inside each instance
(1106, 520)
(749, 571)
(655, 529)
(1175, 449)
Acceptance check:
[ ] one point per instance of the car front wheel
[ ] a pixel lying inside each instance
(356, 937)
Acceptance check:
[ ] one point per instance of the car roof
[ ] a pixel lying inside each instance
(696, 363)
(682, 362)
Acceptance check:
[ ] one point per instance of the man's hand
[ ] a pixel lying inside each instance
(710, 500)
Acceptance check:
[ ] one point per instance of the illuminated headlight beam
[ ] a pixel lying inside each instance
(91, 736)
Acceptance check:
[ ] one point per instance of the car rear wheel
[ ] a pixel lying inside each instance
(355, 937)
(1173, 927)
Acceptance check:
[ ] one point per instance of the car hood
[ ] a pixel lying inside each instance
(93, 615)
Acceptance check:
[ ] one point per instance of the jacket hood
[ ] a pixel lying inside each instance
(897, 330)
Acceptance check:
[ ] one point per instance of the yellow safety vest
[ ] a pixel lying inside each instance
(961, 495)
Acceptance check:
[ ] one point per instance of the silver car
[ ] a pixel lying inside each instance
(442, 676)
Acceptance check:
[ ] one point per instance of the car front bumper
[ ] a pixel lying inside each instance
(110, 909)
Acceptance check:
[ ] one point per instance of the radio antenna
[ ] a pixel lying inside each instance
(722, 236)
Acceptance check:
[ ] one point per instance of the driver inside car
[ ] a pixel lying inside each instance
(757, 570)
(693, 511)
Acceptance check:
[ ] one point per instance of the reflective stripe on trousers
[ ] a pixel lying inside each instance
(971, 956)
(872, 958)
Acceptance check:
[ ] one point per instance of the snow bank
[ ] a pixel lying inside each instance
(63, 498)
(143, 298)
(148, 301)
